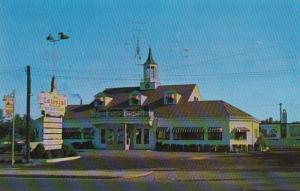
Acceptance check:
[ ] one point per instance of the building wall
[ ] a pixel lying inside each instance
(204, 123)
(275, 141)
(252, 134)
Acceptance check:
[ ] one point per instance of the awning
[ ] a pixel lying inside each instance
(162, 129)
(215, 129)
(241, 129)
(188, 129)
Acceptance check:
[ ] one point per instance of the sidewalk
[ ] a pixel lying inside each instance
(87, 174)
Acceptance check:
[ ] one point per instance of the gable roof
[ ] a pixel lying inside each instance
(155, 102)
(155, 97)
(200, 109)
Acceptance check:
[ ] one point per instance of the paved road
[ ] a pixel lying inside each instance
(174, 171)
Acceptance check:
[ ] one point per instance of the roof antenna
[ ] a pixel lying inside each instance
(138, 49)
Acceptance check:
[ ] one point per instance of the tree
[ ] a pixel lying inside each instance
(20, 128)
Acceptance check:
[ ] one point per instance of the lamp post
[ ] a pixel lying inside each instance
(50, 38)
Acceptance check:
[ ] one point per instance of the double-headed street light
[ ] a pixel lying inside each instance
(50, 38)
(61, 36)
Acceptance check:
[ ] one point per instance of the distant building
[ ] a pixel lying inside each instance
(163, 117)
(272, 134)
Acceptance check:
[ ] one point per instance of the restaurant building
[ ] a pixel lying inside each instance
(163, 117)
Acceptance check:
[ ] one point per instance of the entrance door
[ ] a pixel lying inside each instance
(127, 138)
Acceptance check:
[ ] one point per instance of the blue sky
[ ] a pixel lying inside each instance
(242, 52)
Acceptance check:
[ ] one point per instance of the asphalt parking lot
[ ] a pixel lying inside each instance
(185, 170)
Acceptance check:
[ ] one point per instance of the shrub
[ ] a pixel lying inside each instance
(39, 152)
(68, 151)
(57, 153)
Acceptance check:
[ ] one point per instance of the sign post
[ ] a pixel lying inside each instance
(53, 107)
(9, 104)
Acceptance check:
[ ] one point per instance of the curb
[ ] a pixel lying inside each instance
(44, 161)
(104, 175)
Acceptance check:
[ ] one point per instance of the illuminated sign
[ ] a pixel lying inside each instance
(8, 106)
(53, 104)
(53, 107)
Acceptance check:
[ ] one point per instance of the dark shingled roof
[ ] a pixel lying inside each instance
(155, 102)
(154, 99)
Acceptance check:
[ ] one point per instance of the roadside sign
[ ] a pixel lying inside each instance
(53, 119)
(51, 131)
(53, 125)
(52, 147)
(56, 136)
(52, 106)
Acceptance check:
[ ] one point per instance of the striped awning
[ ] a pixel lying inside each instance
(188, 129)
(215, 129)
(241, 129)
(162, 129)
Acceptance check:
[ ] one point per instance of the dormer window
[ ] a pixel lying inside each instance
(102, 100)
(171, 97)
(99, 102)
(136, 98)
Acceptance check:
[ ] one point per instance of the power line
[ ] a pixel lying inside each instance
(239, 53)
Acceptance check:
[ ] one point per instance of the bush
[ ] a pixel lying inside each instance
(68, 151)
(57, 153)
(39, 152)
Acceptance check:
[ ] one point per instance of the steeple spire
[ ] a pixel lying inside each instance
(150, 80)
(150, 59)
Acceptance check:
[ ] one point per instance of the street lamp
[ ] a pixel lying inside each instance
(61, 36)
(50, 38)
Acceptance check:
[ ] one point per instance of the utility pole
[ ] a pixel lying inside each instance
(280, 112)
(28, 114)
(13, 130)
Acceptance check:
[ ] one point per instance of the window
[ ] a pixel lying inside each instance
(99, 102)
(188, 133)
(162, 133)
(138, 136)
(215, 133)
(71, 133)
(170, 98)
(146, 136)
(152, 73)
(88, 133)
(120, 136)
(240, 135)
(102, 136)
(189, 136)
(135, 98)
(110, 137)
(195, 98)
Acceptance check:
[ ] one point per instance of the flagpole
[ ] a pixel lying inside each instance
(13, 132)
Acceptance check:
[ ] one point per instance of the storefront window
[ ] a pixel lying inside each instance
(88, 133)
(240, 135)
(214, 133)
(120, 136)
(188, 135)
(110, 137)
(102, 136)
(138, 136)
(161, 134)
(146, 136)
(71, 133)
